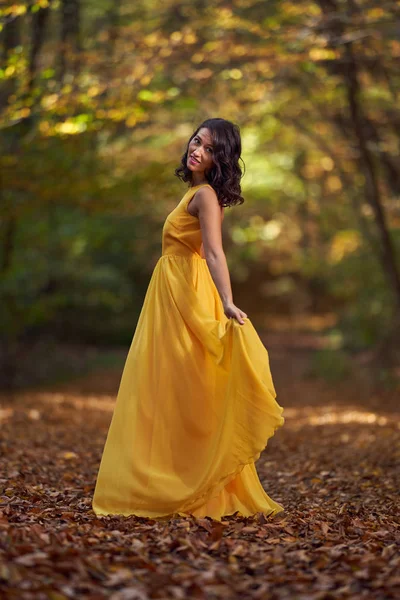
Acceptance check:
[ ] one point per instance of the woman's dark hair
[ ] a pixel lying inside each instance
(225, 174)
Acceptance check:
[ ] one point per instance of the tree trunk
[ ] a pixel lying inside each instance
(359, 124)
(370, 174)
(38, 28)
(70, 37)
(11, 39)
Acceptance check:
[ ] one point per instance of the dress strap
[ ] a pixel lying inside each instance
(191, 191)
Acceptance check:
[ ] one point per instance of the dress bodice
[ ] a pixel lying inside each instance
(181, 233)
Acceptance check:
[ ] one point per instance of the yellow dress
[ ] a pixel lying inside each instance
(196, 402)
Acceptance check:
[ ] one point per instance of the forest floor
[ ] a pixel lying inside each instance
(334, 466)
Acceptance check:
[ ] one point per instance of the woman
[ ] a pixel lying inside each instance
(196, 403)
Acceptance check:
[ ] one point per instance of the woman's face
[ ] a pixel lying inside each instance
(200, 152)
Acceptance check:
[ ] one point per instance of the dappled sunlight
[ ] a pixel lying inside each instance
(5, 414)
(349, 416)
(332, 415)
(97, 402)
(34, 404)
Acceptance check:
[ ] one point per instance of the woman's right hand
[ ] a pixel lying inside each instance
(233, 312)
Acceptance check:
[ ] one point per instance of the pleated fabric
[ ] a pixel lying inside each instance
(196, 403)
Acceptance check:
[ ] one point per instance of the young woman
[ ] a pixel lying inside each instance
(196, 403)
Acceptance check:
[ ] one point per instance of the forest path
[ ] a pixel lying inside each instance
(334, 466)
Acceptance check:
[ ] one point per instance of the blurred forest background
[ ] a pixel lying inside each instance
(97, 101)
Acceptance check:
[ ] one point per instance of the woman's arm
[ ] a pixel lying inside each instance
(206, 207)
(202, 246)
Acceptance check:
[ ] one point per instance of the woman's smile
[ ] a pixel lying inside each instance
(193, 160)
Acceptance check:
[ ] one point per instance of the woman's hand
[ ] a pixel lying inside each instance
(232, 311)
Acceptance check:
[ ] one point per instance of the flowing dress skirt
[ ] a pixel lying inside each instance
(195, 407)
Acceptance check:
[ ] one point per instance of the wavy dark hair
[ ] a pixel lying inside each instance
(226, 173)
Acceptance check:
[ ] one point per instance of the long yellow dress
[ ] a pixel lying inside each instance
(196, 402)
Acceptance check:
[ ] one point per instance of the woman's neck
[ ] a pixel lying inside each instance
(195, 183)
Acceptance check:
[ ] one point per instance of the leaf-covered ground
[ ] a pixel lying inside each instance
(334, 466)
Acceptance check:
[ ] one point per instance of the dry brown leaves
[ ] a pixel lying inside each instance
(334, 466)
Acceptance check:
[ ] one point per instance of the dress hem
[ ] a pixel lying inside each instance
(211, 493)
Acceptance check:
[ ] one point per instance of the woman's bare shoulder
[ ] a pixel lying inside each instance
(206, 192)
(206, 199)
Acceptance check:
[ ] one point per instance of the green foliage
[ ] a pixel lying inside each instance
(332, 365)
(93, 130)
(359, 282)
